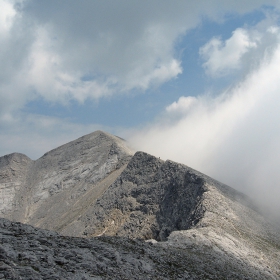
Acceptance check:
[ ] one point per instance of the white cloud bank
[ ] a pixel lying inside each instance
(243, 51)
(72, 50)
(233, 137)
(226, 56)
(7, 14)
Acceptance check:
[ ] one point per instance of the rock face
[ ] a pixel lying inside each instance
(153, 199)
(54, 190)
(13, 172)
(95, 187)
(150, 199)
(29, 253)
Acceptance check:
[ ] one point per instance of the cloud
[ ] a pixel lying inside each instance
(103, 50)
(234, 136)
(221, 57)
(243, 51)
(61, 51)
(7, 14)
(183, 105)
(87, 50)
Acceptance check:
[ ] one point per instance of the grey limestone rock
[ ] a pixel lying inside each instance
(13, 172)
(167, 201)
(29, 253)
(53, 191)
(150, 199)
(95, 188)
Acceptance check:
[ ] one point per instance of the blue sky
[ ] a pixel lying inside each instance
(139, 107)
(194, 81)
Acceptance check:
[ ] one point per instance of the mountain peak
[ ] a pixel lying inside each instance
(95, 139)
(94, 186)
(60, 177)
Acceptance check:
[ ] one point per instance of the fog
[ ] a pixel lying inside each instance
(233, 136)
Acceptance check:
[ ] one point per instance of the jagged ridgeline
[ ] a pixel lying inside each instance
(96, 186)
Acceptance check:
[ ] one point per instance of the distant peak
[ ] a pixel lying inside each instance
(107, 134)
(13, 156)
(14, 159)
(97, 138)
(101, 133)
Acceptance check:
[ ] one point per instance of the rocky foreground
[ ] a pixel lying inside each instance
(114, 214)
(30, 253)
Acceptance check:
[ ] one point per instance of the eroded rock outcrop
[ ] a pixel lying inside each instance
(29, 253)
(150, 199)
(95, 187)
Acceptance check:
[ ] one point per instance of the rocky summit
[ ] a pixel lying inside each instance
(103, 212)
(53, 191)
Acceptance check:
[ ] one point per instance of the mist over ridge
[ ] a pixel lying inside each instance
(98, 206)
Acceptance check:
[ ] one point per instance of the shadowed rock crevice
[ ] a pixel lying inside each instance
(149, 200)
(181, 207)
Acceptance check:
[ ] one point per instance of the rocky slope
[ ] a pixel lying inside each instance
(153, 199)
(54, 190)
(93, 187)
(29, 253)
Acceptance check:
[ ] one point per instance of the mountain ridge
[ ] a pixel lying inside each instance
(96, 186)
(97, 153)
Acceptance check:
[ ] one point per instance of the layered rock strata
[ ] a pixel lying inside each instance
(54, 190)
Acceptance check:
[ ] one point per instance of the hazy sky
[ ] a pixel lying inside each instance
(194, 81)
